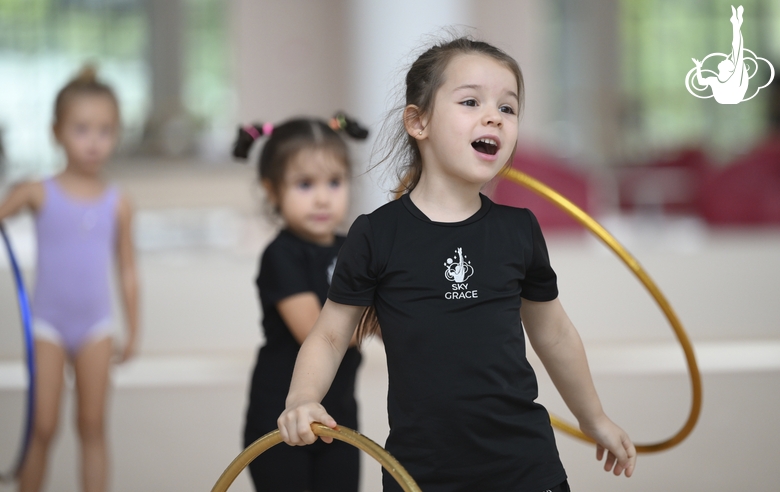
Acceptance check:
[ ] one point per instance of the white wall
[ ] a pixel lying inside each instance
(289, 58)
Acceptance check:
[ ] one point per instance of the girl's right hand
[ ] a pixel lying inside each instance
(295, 423)
(129, 350)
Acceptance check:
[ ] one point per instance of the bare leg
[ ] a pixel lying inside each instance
(92, 366)
(49, 365)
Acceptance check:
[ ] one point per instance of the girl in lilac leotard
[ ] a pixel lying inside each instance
(84, 229)
(72, 299)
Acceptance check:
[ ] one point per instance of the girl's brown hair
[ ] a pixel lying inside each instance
(291, 137)
(84, 83)
(423, 80)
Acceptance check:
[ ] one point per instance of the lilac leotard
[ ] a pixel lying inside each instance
(76, 244)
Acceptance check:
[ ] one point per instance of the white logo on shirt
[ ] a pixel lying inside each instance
(458, 270)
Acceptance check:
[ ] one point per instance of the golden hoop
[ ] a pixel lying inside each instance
(349, 436)
(596, 228)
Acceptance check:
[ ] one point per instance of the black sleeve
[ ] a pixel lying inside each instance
(355, 279)
(540, 283)
(282, 273)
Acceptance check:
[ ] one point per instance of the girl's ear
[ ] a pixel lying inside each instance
(270, 192)
(414, 122)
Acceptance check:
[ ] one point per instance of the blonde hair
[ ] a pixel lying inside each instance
(84, 83)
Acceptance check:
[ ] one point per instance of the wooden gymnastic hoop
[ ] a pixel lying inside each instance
(349, 436)
(594, 227)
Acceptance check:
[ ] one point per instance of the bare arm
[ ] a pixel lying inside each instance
(560, 349)
(22, 196)
(299, 312)
(128, 276)
(316, 366)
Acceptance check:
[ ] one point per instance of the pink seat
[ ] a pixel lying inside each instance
(671, 184)
(747, 192)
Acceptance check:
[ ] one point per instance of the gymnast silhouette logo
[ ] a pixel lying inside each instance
(730, 84)
(457, 268)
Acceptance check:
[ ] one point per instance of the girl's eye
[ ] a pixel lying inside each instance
(335, 182)
(469, 102)
(507, 109)
(304, 185)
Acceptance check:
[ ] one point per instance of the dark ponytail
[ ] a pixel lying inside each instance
(247, 136)
(368, 325)
(290, 137)
(349, 126)
(423, 80)
(293, 135)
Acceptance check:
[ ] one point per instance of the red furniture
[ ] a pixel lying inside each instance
(556, 174)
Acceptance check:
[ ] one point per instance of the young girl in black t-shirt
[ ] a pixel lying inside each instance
(304, 169)
(447, 274)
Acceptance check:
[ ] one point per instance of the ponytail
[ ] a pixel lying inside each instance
(85, 82)
(340, 123)
(87, 75)
(349, 126)
(368, 325)
(289, 138)
(247, 136)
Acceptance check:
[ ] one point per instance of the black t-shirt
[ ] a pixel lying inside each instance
(289, 266)
(461, 391)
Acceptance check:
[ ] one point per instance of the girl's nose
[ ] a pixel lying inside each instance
(321, 194)
(493, 118)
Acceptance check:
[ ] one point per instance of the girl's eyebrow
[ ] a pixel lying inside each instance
(477, 86)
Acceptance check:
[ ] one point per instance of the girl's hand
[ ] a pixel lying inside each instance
(129, 350)
(621, 453)
(295, 423)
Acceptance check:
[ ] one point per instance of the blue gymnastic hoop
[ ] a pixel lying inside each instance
(26, 315)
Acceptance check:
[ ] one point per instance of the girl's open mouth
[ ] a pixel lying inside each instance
(485, 145)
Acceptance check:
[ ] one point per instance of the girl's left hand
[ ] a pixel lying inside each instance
(128, 351)
(621, 453)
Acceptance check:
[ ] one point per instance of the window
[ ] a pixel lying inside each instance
(659, 38)
(44, 43)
